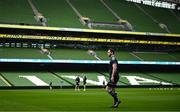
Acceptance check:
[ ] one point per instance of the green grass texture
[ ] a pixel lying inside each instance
(133, 99)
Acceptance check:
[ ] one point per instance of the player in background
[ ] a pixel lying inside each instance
(104, 84)
(84, 82)
(77, 80)
(50, 85)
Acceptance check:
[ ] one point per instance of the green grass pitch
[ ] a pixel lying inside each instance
(133, 99)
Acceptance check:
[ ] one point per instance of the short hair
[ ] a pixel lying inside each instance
(112, 50)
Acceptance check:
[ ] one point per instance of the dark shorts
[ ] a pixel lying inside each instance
(77, 84)
(84, 83)
(113, 84)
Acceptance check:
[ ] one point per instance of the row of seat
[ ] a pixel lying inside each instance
(60, 14)
(93, 78)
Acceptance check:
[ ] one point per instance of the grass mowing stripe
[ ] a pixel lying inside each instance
(141, 99)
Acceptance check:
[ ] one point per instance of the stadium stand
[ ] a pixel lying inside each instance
(136, 17)
(40, 79)
(21, 53)
(2, 83)
(70, 76)
(71, 54)
(98, 19)
(170, 77)
(94, 78)
(81, 54)
(38, 16)
(155, 56)
(15, 79)
(58, 13)
(16, 12)
(163, 16)
(121, 55)
(176, 55)
(88, 10)
(141, 17)
(135, 49)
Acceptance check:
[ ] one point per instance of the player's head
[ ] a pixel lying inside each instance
(110, 52)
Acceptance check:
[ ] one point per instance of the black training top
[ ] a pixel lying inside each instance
(84, 79)
(77, 79)
(113, 60)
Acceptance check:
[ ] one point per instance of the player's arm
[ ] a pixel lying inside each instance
(114, 69)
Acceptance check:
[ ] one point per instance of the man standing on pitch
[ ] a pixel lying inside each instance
(113, 77)
(77, 83)
(84, 82)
